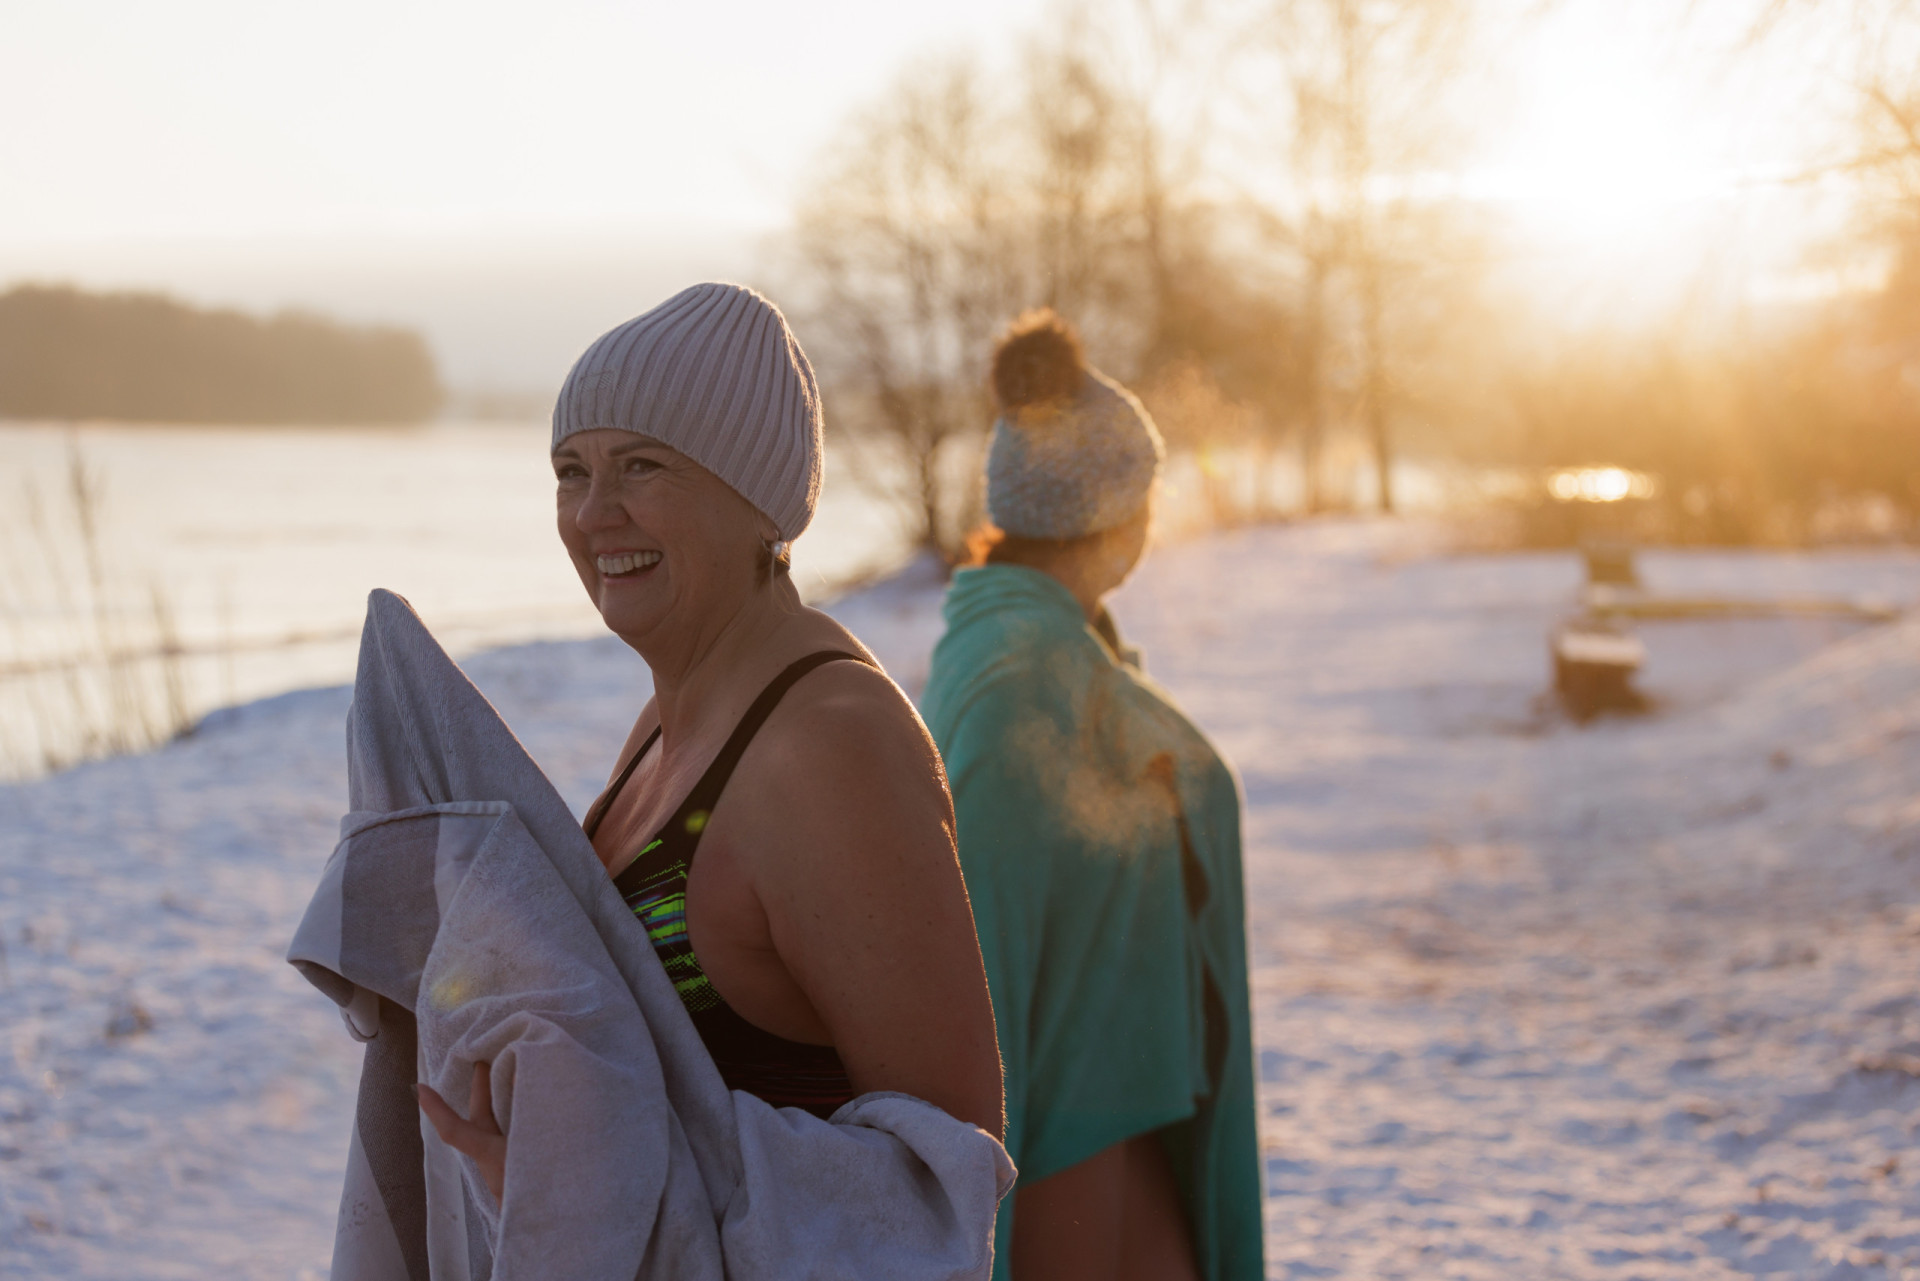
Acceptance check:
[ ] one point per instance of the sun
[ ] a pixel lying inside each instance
(1607, 139)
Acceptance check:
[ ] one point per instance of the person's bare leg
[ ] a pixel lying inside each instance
(1155, 1242)
(1068, 1227)
(1114, 1217)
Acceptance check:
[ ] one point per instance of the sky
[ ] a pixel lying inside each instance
(513, 178)
(1643, 161)
(265, 118)
(412, 160)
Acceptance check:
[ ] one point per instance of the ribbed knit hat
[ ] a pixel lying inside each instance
(714, 372)
(1073, 469)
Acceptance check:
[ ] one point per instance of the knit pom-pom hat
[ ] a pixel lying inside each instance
(716, 373)
(1073, 452)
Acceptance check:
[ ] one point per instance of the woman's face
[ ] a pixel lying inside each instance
(1113, 555)
(1131, 539)
(652, 534)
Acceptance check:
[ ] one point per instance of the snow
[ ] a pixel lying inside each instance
(1630, 1000)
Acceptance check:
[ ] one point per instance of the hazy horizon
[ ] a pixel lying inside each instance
(511, 185)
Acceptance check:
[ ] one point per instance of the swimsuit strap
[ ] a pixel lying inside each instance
(706, 793)
(599, 811)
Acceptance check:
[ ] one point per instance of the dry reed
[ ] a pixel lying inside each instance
(98, 661)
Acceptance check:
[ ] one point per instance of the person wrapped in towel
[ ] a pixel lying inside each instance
(1099, 833)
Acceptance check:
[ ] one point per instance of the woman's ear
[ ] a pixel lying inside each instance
(771, 539)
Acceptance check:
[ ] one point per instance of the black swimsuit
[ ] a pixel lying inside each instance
(784, 1073)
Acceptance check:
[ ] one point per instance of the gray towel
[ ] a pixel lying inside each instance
(464, 917)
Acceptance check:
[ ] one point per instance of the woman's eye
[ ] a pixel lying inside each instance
(641, 466)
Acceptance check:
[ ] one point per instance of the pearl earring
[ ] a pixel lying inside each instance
(781, 548)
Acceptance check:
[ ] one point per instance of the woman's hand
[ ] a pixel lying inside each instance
(478, 1137)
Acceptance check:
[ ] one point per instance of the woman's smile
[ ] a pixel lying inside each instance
(625, 566)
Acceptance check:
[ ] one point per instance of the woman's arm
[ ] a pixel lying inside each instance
(851, 852)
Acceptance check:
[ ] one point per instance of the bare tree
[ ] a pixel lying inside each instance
(1120, 98)
(956, 201)
(1873, 46)
(1075, 179)
(1074, 117)
(911, 257)
(1889, 81)
(1163, 272)
(1363, 78)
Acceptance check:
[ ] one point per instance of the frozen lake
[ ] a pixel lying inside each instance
(262, 545)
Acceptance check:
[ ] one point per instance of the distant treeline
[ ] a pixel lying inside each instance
(148, 358)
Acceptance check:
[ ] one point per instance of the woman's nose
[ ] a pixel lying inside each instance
(601, 508)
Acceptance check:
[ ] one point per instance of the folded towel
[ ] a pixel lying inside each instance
(464, 917)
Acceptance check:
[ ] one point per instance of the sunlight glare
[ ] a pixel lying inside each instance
(1604, 146)
(1599, 485)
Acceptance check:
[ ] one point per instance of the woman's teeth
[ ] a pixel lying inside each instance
(626, 562)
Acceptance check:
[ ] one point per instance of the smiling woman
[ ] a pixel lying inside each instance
(821, 940)
(650, 493)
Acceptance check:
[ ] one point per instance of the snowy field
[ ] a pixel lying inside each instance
(1532, 1001)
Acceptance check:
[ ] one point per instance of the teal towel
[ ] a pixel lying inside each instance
(1115, 950)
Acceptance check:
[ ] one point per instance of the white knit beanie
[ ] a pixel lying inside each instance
(714, 372)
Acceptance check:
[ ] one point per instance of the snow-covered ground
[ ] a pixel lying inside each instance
(1634, 1000)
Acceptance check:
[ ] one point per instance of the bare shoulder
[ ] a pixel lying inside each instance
(848, 725)
(847, 796)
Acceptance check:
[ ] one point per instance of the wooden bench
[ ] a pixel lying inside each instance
(1593, 668)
